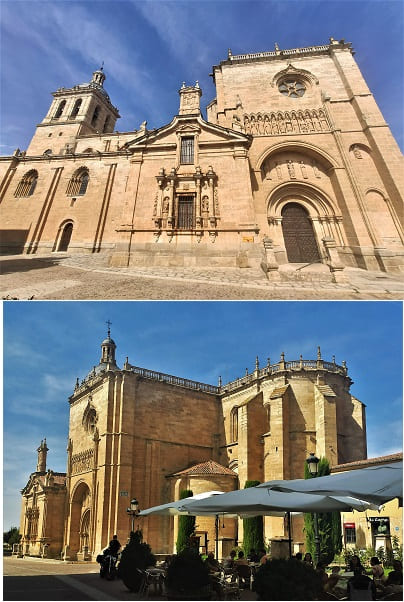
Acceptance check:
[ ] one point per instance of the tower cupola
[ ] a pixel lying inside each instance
(42, 452)
(98, 77)
(108, 348)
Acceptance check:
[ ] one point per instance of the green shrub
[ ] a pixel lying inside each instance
(136, 555)
(186, 525)
(253, 528)
(188, 577)
(292, 579)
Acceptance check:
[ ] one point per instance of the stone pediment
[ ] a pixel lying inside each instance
(43, 480)
(194, 125)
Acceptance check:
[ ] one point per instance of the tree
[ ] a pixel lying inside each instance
(11, 536)
(186, 525)
(253, 528)
(329, 523)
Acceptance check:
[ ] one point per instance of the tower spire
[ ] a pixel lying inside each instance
(42, 452)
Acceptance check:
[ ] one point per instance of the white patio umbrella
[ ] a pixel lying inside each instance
(375, 484)
(255, 501)
(174, 508)
(185, 506)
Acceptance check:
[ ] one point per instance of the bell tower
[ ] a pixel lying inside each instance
(82, 110)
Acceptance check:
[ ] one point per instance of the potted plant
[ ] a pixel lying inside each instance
(135, 558)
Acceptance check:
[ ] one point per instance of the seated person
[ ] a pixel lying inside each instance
(229, 561)
(360, 587)
(355, 563)
(243, 570)
(212, 564)
(253, 556)
(320, 570)
(114, 546)
(376, 570)
(263, 556)
(332, 579)
(394, 582)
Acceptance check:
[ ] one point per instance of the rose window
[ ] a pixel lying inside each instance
(292, 88)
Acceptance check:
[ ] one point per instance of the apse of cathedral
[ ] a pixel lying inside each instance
(294, 164)
(139, 433)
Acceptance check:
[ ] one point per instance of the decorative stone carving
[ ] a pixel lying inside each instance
(83, 461)
(285, 122)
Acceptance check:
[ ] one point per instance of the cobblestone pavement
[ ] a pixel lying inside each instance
(80, 276)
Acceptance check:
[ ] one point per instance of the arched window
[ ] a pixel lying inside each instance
(95, 115)
(27, 184)
(60, 109)
(106, 123)
(234, 424)
(78, 183)
(76, 108)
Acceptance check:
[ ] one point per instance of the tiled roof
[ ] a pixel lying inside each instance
(206, 468)
(368, 462)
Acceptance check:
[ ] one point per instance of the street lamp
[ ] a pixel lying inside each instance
(133, 511)
(312, 464)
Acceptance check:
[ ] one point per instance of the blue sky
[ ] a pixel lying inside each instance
(48, 344)
(151, 46)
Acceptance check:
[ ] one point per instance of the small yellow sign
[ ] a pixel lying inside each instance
(248, 238)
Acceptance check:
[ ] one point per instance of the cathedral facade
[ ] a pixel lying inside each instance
(293, 166)
(138, 433)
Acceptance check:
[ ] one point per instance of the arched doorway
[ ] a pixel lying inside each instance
(298, 234)
(80, 521)
(65, 237)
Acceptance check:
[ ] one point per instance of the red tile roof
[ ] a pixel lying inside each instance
(368, 462)
(206, 468)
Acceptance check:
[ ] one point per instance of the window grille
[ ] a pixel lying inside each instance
(350, 535)
(27, 185)
(187, 150)
(186, 212)
(78, 183)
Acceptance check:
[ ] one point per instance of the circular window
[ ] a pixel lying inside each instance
(292, 88)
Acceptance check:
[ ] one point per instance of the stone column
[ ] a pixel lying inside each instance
(171, 216)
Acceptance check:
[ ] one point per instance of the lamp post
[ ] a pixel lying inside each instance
(312, 464)
(133, 511)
